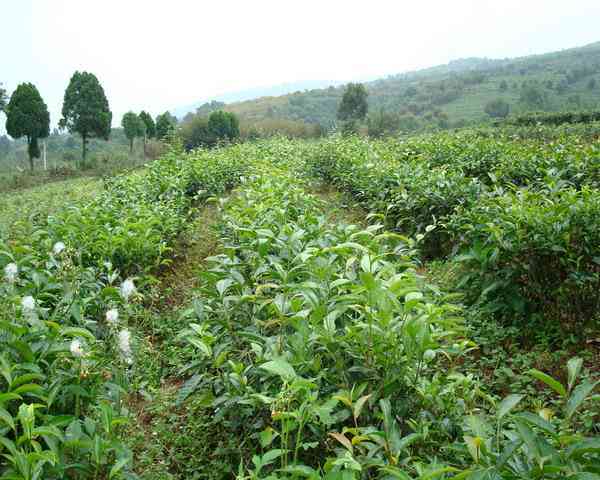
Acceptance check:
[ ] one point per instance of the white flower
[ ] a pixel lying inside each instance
(58, 248)
(112, 317)
(127, 289)
(28, 304)
(76, 348)
(125, 345)
(10, 272)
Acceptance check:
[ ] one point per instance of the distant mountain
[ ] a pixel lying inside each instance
(453, 94)
(253, 93)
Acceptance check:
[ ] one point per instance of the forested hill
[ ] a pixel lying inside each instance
(455, 94)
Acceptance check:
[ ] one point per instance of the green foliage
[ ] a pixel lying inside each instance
(413, 195)
(224, 125)
(134, 223)
(382, 124)
(307, 332)
(165, 124)
(520, 212)
(534, 252)
(497, 108)
(150, 130)
(555, 119)
(134, 127)
(195, 133)
(533, 97)
(27, 116)
(313, 348)
(353, 105)
(85, 109)
(62, 373)
(199, 131)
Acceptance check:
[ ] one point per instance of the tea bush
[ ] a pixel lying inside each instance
(60, 384)
(534, 251)
(135, 220)
(305, 330)
(322, 354)
(412, 194)
(530, 250)
(65, 349)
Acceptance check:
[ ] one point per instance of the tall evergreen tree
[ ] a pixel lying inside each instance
(353, 108)
(354, 103)
(149, 122)
(85, 109)
(165, 124)
(28, 116)
(133, 127)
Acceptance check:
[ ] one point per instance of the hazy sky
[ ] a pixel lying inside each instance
(157, 55)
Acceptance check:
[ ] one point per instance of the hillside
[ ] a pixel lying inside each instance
(253, 93)
(454, 94)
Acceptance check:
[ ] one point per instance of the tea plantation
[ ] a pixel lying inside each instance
(334, 309)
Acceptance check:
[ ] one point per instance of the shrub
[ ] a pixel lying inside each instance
(534, 251)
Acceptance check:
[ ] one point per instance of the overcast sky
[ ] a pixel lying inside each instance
(156, 55)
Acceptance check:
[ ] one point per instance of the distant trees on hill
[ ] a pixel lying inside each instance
(201, 131)
(533, 97)
(497, 108)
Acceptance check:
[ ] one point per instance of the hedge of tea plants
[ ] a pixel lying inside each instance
(519, 208)
(66, 353)
(322, 354)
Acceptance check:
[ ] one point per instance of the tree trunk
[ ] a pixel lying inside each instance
(30, 152)
(131, 146)
(144, 148)
(84, 149)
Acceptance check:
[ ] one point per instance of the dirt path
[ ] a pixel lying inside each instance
(157, 434)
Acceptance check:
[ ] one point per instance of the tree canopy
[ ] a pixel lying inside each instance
(85, 109)
(224, 125)
(149, 124)
(354, 103)
(27, 116)
(497, 108)
(201, 131)
(165, 124)
(133, 126)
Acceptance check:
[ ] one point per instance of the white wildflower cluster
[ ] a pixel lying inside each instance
(76, 348)
(58, 248)
(125, 346)
(11, 272)
(127, 289)
(28, 304)
(112, 317)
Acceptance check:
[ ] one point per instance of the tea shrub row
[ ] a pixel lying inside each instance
(66, 353)
(522, 205)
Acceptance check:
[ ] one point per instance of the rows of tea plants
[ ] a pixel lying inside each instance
(322, 353)
(524, 214)
(66, 297)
